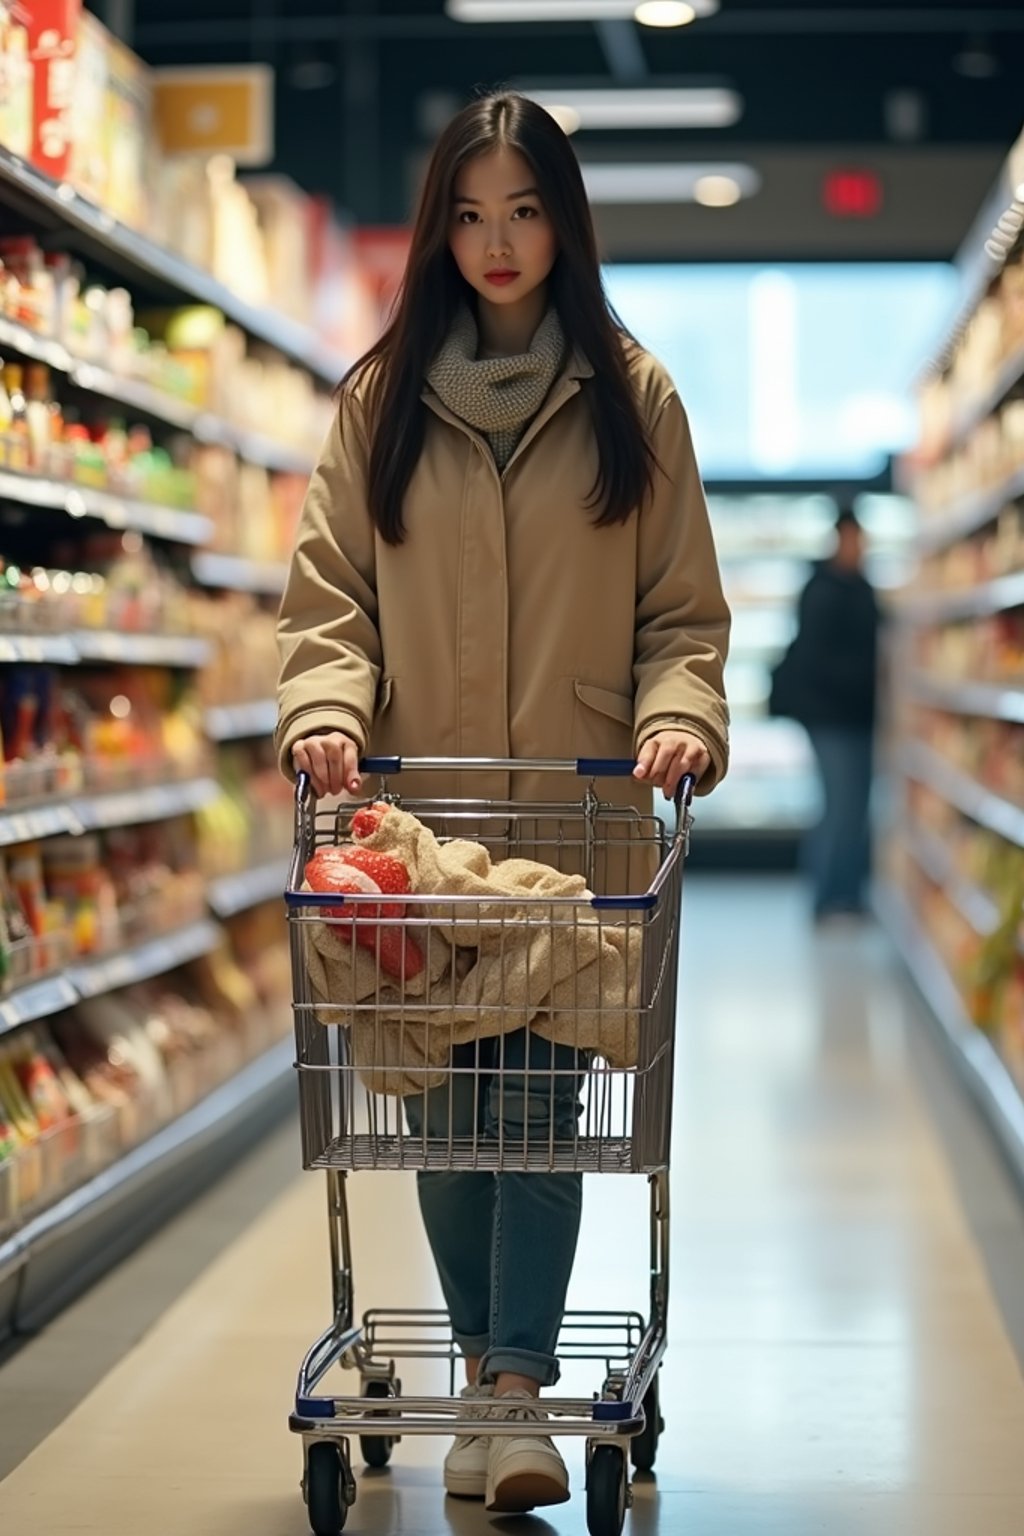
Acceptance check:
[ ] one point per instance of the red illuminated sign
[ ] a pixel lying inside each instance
(853, 194)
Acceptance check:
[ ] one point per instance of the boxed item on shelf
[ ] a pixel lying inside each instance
(17, 85)
(70, 897)
(243, 636)
(251, 821)
(113, 730)
(93, 108)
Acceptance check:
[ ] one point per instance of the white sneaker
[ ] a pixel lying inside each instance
(465, 1466)
(523, 1472)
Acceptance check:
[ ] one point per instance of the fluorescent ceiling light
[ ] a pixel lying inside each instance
(681, 108)
(715, 185)
(652, 13)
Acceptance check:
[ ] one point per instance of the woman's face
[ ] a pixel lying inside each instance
(501, 237)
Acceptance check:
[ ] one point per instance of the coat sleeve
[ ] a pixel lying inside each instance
(682, 619)
(327, 628)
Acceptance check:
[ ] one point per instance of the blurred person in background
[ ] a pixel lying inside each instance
(828, 682)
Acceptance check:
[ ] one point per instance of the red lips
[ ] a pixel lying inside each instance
(501, 275)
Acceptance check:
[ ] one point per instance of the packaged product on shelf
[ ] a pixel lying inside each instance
(17, 959)
(85, 891)
(118, 1023)
(16, 455)
(93, 108)
(16, 79)
(243, 637)
(16, 1112)
(282, 210)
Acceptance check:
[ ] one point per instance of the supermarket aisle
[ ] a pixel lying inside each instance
(838, 1359)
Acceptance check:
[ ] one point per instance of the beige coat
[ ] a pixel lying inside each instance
(507, 625)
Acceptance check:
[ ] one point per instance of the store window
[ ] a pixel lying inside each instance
(793, 376)
(791, 372)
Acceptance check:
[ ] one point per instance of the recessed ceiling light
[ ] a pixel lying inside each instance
(656, 13)
(717, 191)
(710, 107)
(665, 13)
(567, 118)
(669, 182)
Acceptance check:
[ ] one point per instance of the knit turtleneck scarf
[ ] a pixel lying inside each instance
(499, 396)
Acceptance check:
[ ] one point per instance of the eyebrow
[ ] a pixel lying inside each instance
(526, 192)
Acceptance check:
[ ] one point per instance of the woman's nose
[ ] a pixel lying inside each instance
(497, 243)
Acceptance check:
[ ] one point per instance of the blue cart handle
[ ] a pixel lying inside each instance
(583, 767)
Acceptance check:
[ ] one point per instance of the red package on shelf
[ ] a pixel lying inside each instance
(52, 41)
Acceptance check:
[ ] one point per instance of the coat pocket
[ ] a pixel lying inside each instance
(617, 706)
(602, 722)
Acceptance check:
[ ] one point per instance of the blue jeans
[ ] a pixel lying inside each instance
(839, 848)
(504, 1243)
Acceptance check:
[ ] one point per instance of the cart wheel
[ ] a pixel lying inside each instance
(376, 1449)
(643, 1448)
(325, 1489)
(607, 1483)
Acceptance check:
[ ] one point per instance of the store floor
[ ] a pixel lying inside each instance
(846, 1254)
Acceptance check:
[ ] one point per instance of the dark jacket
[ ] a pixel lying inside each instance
(828, 675)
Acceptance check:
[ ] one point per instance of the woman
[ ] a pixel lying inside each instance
(505, 552)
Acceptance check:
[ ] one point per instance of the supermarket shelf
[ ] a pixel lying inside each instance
(115, 511)
(977, 1059)
(107, 645)
(1005, 381)
(969, 514)
(255, 447)
(158, 803)
(238, 722)
(997, 596)
(162, 954)
(237, 893)
(126, 808)
(117, 247)
(58, 649)
(93, 977)
(64, 1249)
(36, 1001)
(966, 794)
(264, 577)
(155, 403)
(933, 857)
(986, 699)
(141, 650)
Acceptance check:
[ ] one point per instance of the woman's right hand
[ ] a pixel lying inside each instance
(332, 762)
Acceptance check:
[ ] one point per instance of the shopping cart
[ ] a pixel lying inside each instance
(623, 1125)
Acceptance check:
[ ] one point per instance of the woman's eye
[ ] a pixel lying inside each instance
(467, 216)
(526, 212)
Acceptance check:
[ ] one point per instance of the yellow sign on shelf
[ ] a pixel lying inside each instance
(225, 110)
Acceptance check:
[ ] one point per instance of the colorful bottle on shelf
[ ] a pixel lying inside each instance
(40, 417)
(5, 422)
(17, 436)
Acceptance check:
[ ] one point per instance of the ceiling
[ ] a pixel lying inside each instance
(875, 78)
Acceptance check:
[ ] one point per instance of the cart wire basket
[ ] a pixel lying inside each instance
(552, 1009)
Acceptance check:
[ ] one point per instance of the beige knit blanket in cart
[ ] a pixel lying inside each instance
(528, 950)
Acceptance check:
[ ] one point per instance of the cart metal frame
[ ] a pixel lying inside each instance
(625, 1412)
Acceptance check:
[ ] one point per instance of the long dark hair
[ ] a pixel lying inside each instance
(433, 289)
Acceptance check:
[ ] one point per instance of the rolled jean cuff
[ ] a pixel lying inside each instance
(521, 1362)
(473, 1345)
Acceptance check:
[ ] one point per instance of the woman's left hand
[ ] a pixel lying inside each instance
(668, 757)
